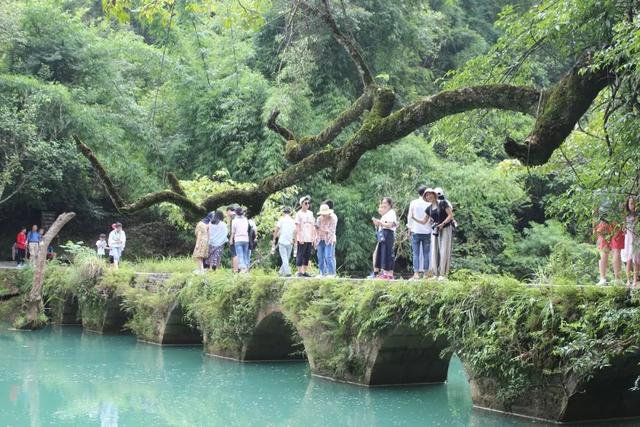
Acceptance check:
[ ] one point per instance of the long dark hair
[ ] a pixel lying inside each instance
(626, 205)
(217, 217)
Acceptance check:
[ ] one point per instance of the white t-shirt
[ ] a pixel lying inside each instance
(287, 227)
(117, 239)
(101, 245)
(418, 208)
(307, 225)
(390, 217)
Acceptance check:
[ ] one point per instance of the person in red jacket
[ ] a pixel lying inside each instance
(21, 246)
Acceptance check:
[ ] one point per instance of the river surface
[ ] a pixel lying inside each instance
(62, 376)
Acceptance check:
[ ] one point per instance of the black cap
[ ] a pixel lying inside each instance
(422, 189)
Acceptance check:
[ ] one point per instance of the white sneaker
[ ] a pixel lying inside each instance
(441, 278)
(602, 282)
(319, 276)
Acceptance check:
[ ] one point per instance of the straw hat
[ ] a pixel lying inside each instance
(325, 210)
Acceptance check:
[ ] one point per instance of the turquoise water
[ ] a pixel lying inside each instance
(66, 377)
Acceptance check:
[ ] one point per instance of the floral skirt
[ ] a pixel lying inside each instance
(215, 255)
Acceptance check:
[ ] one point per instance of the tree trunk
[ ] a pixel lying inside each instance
(33, 306)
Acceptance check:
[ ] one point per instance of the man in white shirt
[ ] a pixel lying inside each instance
(420, 234)
(285, 233)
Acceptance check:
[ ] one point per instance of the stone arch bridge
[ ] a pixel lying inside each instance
(279, 327)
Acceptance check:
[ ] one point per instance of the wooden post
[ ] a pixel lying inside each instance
(33, 306)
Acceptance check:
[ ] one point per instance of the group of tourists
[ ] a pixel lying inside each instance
(302, 234)
(115, 244)
(27, 246)
(622, 241)
(213, 233)
(430, 223)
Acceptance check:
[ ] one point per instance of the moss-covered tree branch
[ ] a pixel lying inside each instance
(560, 110)
(298, 149)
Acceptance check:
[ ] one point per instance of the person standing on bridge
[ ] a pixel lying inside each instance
(326, 240)
(21, 247)
(386, 234)
(201, 251)
(240, 238)
(284, 234)
(420, 234)
(231, 213)
(305, 235)
(440, 215)
(329, 203)
(33, 239)
(217, 238)
(632, 242)
(116, 242)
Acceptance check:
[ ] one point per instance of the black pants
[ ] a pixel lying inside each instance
(384, 256)
(20, 254)
(304, 254)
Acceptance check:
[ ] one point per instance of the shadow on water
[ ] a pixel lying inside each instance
(65, 377)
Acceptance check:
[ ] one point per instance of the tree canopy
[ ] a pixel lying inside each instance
(348, 100)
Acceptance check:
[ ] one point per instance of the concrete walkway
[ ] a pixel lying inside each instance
(7, 264)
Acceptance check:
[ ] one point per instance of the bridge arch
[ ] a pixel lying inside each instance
(274, 338)
(176, 330)
(406, 356)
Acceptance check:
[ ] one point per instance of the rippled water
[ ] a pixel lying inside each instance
(65, 377)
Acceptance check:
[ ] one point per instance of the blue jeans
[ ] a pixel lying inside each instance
(421, 241)
(325, 258)
(242, 252)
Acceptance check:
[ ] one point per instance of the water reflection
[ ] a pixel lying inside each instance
(65, 377)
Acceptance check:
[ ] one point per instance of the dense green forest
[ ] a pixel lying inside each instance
(187, 87)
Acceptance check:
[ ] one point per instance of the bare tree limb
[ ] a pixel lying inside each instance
(102, 173)
(177, 196)
(349, 46)
(272, 124)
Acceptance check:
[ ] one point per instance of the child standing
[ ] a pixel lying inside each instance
(101, 246)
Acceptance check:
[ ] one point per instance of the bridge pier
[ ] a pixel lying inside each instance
(108, 318)
(607, 395)
(173, 329)
(402, 357)
(66, 311)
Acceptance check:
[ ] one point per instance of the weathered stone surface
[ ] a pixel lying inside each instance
(176, 331)
(273, 339)
(609, 394)
(66, 312)
(111, 318)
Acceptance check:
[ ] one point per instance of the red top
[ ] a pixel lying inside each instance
(21, 240)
